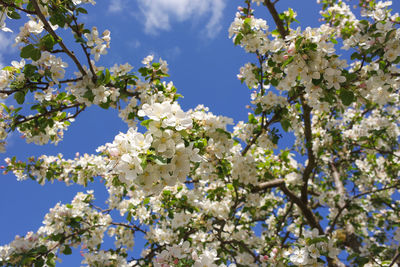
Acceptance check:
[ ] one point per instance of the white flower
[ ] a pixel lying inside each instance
(293, 178)
(207, 259)
(18, 65)
(98, 50)
(147, 60)
(34, 27)
(141, 142)
(3, 17)
(156, 111)
(299, 256)
(314, 252)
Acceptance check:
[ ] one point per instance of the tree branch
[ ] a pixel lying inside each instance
(279, 23)
(25, 119)
(308, 214)
(348, 202)
(84, 47)
(16, 7)
(336, 177)
(396, 257)
(269, 184)
(254, 139)
(55, 36)
(133, 227)
(311, 164)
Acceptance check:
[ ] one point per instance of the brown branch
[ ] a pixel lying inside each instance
(279, 23)
(281, 223)
(242, 245)
(308, 214)
(396, 257)
(8, 92)
(338, 182)
(269, 184)
(16, 7)
(71, 80)
(254, 139)
(134, 228)
(77, 112)
(84, 48)
(25, 119)
(55, 36)
(311, 164)
(348, 202)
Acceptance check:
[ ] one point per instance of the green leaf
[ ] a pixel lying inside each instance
(67, 250)
(355, 55)
(288, 61)
(41, 249)
(274, 82)
(317, 82)
(48, 42)
(20, 97)
(252, 119)
(107, 78)
(81, 10)
(58, 18)
(156, 65)
(159, 160)
(36, 54)
(26, 51)
(238, 38)
(258, 109)
(146, 123)
(89, 95)
(285, 124)
(5, 107)
(30, 51)
(347, 97)
(14, 15)
(275, 32)
(29, 70)
(222, 131)
(39, 262)
(105, 105)
(9, 68)
(298, 43)
(230, 187)
(129, 217)
(51, 263)
(80, 40)
(351, 77)
(143, 71)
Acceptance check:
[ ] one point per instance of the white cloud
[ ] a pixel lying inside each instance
(158, 14)
(134, 44)
(5, 42)
(173, 53)
(115, 6)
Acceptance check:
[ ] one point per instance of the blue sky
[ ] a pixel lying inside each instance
(192, 35)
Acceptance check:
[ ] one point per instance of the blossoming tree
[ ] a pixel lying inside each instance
(195, 190)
